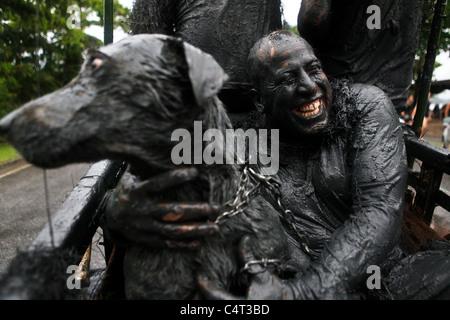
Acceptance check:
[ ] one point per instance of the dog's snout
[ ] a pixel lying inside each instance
(5, 124)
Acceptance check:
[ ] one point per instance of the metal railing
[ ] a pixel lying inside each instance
(434, 163)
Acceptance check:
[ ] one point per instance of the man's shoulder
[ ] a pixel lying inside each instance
(367, 91)
(371, 99)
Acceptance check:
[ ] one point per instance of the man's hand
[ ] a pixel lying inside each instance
(134, 212)
(264, 285)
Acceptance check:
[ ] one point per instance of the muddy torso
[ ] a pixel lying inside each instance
(315, 186)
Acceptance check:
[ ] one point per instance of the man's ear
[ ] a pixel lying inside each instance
(257, 100)
(206, 75)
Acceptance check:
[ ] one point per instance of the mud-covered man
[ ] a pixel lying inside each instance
(342, 170)
(343, 175)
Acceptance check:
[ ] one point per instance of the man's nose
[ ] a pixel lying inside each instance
(306, 85)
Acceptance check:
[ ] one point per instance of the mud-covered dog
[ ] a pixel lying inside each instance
(125, 103)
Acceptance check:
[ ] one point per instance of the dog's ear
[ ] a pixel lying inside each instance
(206, 75)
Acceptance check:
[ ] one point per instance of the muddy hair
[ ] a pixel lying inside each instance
(344, 113)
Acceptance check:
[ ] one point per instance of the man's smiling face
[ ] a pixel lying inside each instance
(295, 91)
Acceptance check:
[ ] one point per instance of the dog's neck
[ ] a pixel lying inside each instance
(216, 182)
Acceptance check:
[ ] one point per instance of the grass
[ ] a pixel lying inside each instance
(7, 153)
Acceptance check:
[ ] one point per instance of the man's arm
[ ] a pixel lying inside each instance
(379, 172)
(153, 16)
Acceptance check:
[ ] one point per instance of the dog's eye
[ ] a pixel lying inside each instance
(96, 62)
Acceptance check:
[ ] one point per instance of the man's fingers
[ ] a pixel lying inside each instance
(211, 292)
(188, 230)
(158, 242)
(247, 257)
(173, 231)
(179, 212)
(245, 249)
(167, 180)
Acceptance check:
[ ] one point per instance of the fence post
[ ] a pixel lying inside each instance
(108, 20)
(428, 68)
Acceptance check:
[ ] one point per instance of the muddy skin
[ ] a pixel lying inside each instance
(347, 48)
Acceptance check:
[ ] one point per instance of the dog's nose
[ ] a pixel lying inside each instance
(5, 124)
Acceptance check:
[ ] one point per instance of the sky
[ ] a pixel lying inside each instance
(442, 73)
(291, 9)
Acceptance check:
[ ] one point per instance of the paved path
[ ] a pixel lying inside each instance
(23, 212)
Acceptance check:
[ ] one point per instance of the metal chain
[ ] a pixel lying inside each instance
(275, 187)
(289, 216)
(250, 181)
(264, 262)
(244, 194)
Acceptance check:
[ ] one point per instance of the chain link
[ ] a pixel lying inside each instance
(244, 194)
(264, 262)
(250, 181)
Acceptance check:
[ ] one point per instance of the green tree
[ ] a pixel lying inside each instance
(428, 13)
(37, 44)
(287, 26)
(444, 40)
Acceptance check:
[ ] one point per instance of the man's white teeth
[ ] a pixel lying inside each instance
(309, 110)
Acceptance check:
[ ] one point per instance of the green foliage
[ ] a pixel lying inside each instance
(60, 49)
(287, 26)
(7, 152)
(428, 13)
(443, 44)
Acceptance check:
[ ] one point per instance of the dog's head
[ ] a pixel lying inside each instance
(124, 104)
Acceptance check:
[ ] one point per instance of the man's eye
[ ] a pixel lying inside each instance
(315, 69)
(287, 78)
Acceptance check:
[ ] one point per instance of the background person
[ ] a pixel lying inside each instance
(348, 42)
(226, 29)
